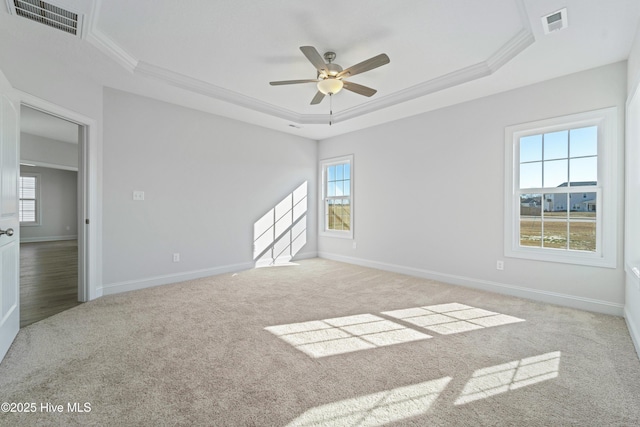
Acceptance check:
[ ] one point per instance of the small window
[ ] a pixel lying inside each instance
(558, 175)
(29, 199)
(337, 197)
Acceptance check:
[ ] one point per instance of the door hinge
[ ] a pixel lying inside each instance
(86, 221)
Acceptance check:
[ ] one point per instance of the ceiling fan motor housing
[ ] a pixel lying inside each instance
(333, 69)
(329, 80)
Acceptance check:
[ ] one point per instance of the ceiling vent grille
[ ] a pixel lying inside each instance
(48, 14)
(555, 22)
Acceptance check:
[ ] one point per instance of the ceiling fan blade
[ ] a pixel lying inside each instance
(359, 89)
(291, 82)
(314, 57)
(369, 64)
(318, 98)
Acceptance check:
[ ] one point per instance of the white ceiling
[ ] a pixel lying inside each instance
(219, 56)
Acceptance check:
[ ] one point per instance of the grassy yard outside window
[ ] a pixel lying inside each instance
(337, 197)
(559, 174)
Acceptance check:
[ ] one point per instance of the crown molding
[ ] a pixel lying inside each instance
(506, 53)
(522, 40)
(510, 50)
(106, 44)
(208, 89)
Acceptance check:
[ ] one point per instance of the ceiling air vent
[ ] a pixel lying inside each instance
(555, 22)
(48, 14)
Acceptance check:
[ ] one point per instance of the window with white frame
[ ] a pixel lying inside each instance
(560, 189)
(337, 197)
(29, 192)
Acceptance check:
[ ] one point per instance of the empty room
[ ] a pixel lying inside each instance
(295, 213)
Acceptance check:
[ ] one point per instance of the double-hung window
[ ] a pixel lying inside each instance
(29, 192)
(337, 197)
(560, 193)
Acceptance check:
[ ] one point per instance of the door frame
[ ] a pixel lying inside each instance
(89, 213)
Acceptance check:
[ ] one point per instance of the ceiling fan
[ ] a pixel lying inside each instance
(330, 78)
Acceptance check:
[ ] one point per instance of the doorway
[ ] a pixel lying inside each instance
(50, 219)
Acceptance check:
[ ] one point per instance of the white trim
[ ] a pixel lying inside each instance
(322, 229)
(582, 303)
(635, 333)
(132, 285)
(39, 164)
(285, 260)
(208, 89)
(91, 243)
(509, 50)
(104, 43)
(606, 254)
(167, 279)
(47, 239)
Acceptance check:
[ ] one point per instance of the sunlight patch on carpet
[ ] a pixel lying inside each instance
(451, 318)
(502, 378)
(375, 409)
(328, 337)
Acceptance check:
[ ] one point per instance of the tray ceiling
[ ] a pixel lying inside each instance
(219, 56)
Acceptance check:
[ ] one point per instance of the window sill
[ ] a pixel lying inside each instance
(562, 256)
(337, 234)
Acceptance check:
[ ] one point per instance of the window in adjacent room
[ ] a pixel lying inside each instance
(29, 192)
(337, 197)
(560, 198)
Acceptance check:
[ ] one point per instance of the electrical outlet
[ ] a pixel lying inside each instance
(176, 257)
(138, 195)
(355, 245)
(499, 265)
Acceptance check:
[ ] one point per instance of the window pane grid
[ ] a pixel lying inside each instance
(587, 222)
(27, 212)
(338, 215)
(558, 188)
(558, 158)
(337, 196)
(566, 220)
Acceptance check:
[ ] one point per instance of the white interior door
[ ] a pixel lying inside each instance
(9, 221)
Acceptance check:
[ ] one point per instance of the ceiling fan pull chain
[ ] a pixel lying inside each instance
(330, 108)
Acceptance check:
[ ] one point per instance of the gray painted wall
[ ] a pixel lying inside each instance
(59, 207)
(429, 193)
(36, 149)
(206, 180)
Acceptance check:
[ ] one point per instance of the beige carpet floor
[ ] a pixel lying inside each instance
(321, 343)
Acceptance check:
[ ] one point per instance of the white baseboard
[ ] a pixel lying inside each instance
(283, 260)
(46, 239)
(304, 255)
(573, 301)
(132, 285)
(633, 330)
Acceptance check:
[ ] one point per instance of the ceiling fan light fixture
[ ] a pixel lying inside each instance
(330, 86)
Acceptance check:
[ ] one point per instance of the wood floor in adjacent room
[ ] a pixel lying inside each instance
(48, 279)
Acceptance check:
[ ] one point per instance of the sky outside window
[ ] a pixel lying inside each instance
(552, 159)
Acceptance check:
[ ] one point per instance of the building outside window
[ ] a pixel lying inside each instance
(559, 173)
